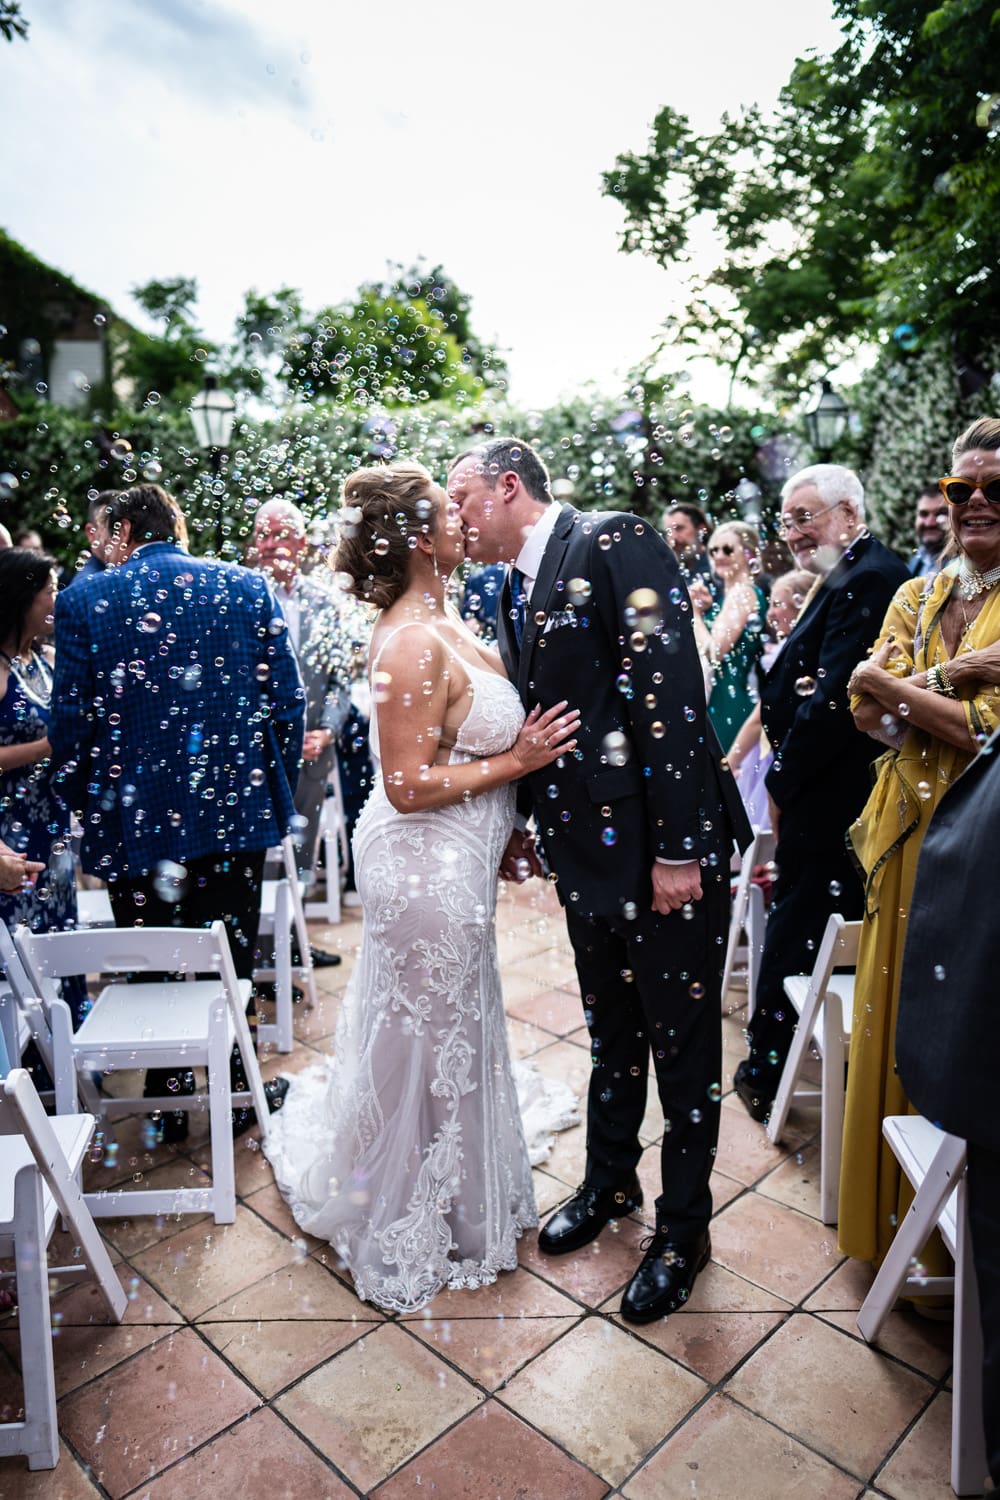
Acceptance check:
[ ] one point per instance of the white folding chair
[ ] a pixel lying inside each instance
(281, 914)
(39, 1160)
(934, 1162)
(336, 853)
(825, 1003)
(184, 1023)
(748, 917)
(22, 1016)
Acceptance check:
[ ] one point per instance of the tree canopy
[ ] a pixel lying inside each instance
(864, 210)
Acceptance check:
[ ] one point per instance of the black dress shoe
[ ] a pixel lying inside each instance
(755, 1099)
(274, 1092)
(323, 960)
(665, 1277)
(581, 1219)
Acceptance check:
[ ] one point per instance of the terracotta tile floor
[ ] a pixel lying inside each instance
(247, 1370)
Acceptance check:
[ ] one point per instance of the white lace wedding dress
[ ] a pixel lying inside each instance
(406, 1150)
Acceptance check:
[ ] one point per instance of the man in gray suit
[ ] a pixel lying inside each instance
(320, 633)
(948, 1026)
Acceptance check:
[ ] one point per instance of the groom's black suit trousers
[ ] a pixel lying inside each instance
(653, 985)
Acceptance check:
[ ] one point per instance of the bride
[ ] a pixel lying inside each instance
(406, 1151)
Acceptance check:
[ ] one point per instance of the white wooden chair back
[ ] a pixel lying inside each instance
(935, 1164)
(747, 918)
(22, 1015)
(282, 913)
(824, 1002)
(39, 1160)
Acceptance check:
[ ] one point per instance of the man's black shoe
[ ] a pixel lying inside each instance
(755, 1100)
(665, 1277)
(323, 960)
(581, 1219)
(274, 1091)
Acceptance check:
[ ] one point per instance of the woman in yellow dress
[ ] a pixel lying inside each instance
(929, 690)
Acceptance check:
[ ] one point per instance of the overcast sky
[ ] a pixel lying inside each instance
(309, 142)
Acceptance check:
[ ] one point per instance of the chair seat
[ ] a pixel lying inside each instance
(73, 1133)
(915, 1143)
(842, 985)
(168, 1015)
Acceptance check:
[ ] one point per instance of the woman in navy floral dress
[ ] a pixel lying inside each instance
(33, 819)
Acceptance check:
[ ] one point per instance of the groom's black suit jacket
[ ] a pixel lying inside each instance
(647, 778)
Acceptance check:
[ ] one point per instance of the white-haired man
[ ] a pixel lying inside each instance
(321, 634)
(820, 778)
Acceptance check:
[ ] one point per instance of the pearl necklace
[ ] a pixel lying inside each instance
(971, 582)
(34, 676)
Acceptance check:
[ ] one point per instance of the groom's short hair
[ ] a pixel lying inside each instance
(512, 456)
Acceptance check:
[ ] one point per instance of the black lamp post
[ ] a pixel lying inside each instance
(213, 413)
(826, 418)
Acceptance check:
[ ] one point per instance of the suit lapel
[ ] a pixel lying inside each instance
(548, 573)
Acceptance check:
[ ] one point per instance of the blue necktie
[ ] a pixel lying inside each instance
(519, 603)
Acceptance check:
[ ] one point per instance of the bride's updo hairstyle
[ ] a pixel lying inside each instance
(385, 509)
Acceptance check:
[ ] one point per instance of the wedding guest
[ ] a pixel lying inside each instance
(821, 772)
(34, 819)
(686, 528)
(931, 527)
(94, 562)
(729, 630)
(930, 689)
(750, 755)
(324, 647)
(195, 765)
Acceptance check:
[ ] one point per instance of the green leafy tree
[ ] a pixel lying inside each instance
(170, 364)
(453, 307)
(379, 348)
(12, 23)
(865, 210)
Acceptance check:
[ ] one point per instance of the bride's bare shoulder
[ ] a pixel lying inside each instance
(404, 643)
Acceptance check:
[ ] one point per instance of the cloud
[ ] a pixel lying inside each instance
(200, 48)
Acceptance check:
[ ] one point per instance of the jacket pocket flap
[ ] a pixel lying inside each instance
(614, 781)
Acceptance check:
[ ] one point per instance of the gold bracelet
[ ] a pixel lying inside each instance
(946, 684)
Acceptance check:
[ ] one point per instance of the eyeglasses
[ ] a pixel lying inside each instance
(726, 548)
(960, 491)
(798, 520)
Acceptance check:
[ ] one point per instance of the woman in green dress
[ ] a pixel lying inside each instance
(729, 633)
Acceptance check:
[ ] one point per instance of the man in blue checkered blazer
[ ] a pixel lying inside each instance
(177, 718)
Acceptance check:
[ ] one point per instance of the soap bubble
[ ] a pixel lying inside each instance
(170, 881)
(616, 747)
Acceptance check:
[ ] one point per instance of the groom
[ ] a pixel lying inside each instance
(637, 825)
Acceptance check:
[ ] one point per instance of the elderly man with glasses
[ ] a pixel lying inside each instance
(821, 776)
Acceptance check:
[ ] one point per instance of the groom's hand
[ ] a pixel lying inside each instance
(520, 861)
(675, 885)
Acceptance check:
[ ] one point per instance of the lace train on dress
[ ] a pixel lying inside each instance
(407, 1149)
